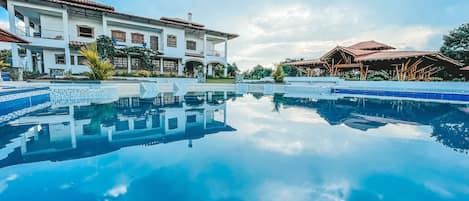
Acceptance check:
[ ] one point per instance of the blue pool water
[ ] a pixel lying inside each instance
(252, 147)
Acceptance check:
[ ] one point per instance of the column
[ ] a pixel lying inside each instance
(205, 119)
(224, 115)
(226, 51)
(39, 62)
(131, 124)
(14, 47)
(27, 30)
(104, 25)
(225, 70)
(129, 64)
(29, 60)
(149, 122)
(109, 134)
(161, 65)
(180, 68)
(71, 111)
(205, 46)
(210, 69)
(68, 61)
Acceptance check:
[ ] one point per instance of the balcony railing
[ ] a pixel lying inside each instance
(44, 33)
(215, 53)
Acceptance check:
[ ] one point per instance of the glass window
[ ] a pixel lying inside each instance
(120, 63)
(81, 60)
(119, 36)
(60, 59)
(137, 38)
(172, 41)
(72, 59)
(85, 31)
(172, 123)
(191, 118)
(191, 45)
(170, 66)
(135, 63)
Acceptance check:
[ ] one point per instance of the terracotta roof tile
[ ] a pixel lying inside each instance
(385, 55)
(182, 21)
(6, 36)
(304, 62)
(78, 43)
(371, 45)
(85, 4)
(194, 55)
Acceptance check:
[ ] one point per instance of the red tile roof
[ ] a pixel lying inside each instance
(304, 62)
(78, 43)
(371, 45)
(182, 22)
(194, 55)
(385, 55)
(85, 4)
(6, 36)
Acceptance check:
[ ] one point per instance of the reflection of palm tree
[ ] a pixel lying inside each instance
(3, 66)
(278, 102)
(100, 114)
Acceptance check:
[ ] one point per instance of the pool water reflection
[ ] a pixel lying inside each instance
(215, 146)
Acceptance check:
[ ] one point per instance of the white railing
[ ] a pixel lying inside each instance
(215, 53)
(45, 33)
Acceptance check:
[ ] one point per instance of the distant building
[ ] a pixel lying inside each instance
(56, 28)
(368, 56)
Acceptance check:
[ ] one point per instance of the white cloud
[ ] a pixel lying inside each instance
(277, 191)
(299, 31)
(4, 182)
(117, 191)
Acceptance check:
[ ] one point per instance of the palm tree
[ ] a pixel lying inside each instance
(101, 69)
(3, 66)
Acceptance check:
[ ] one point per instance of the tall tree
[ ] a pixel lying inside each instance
(456, 44)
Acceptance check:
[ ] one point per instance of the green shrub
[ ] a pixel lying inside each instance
(378, 75)
(436, 79)
(279, 74)
(142, 73)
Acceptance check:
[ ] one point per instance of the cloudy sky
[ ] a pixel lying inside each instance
(272, 30)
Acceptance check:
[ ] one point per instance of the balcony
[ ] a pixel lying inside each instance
(215, 53)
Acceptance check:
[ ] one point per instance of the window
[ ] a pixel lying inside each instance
(156, 64)
(72, 59)
(191, 119)
(81, 60)
(135, 63)
(119, 36)
(172, 123)
(154, 42)
(170, 66)
(191, 45)
(172, 41)
(137, 38)
(120, 63)
(60, 59)
(85, 31)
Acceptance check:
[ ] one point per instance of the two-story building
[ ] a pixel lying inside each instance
(54, 27)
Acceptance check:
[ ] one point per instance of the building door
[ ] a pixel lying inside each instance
(154, 42)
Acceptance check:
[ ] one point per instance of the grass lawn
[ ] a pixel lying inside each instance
(221, 81)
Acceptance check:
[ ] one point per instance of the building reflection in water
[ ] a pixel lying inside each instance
(74, 132)
(449, 122)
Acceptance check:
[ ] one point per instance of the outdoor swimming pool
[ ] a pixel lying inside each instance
(248, 147)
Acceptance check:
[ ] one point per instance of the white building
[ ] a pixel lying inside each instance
(54, 26)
